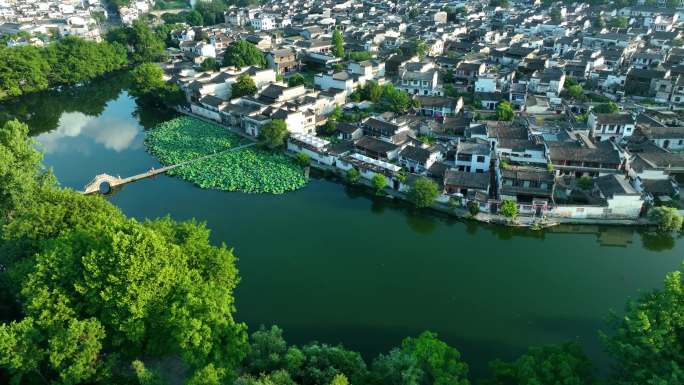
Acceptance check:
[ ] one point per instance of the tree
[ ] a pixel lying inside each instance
(338, 43)
(98, 289)
(339, 379)
(273, 134)
(618, 22)
(605, 108)
(209, 64)
(211, 11)
(146, 376)
(321, 363)
(353, 176)
(268, 351)
(242, 53)
(208, 375)
(574, 91)
(146, 78)
(150, 89)
(668, 219)
(509, 208)
(423, 192)
(147, 46)
(303, 159)
(645, 343)
(194, 18)
(558, 364)
(421, 360)
(394, 99)
(296, 80)
(415, 47)
(74, 60)
(23, 69)
(498, 3)
(20, 171)
(379, 183)
(504, 111)
(244, 85)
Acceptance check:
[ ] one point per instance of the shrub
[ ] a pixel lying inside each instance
(668, 219)
(353, 176)
(509, 208)
(473, 208)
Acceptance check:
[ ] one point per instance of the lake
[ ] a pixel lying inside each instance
(338, 265)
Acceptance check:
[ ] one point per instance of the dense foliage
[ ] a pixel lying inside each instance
(338, 43)
(423, 192)
(668, 219)
(504, 111)
(646, 342)
(252, 170)
(605, 108)
(144, 45)
(244, 85)
(242, 53)
(150, 89)
(564, 364)
(509, 208)
(98, 291)
(273, 133)
(387, 97)
(71, 60)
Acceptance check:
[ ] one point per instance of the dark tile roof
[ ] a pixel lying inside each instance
(375, 145)
(417, 154)
(465, 179)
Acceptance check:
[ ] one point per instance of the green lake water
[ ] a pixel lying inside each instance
(337, 265)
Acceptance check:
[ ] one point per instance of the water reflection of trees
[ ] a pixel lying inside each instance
(658, 241)
(42, 110)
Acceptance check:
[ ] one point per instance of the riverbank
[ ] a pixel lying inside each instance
(442, 205)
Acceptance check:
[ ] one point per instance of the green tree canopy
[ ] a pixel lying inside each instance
(209, 64)
(296, 80)
(423, 192)
(338, 43)
(668, 219)
(98, 291)
(194, 18)
(150, 89)
(605, 108)
(558, 364)
(211, 11)
(242, 53)
(646, 343)
(504, 111)
(146, 78)
(144, 44)
(379, 182)
(244, 85)
(421, 360)
(321, 363)
(273, 134)
(509, 208)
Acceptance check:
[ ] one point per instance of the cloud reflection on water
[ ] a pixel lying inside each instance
(113, 133)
